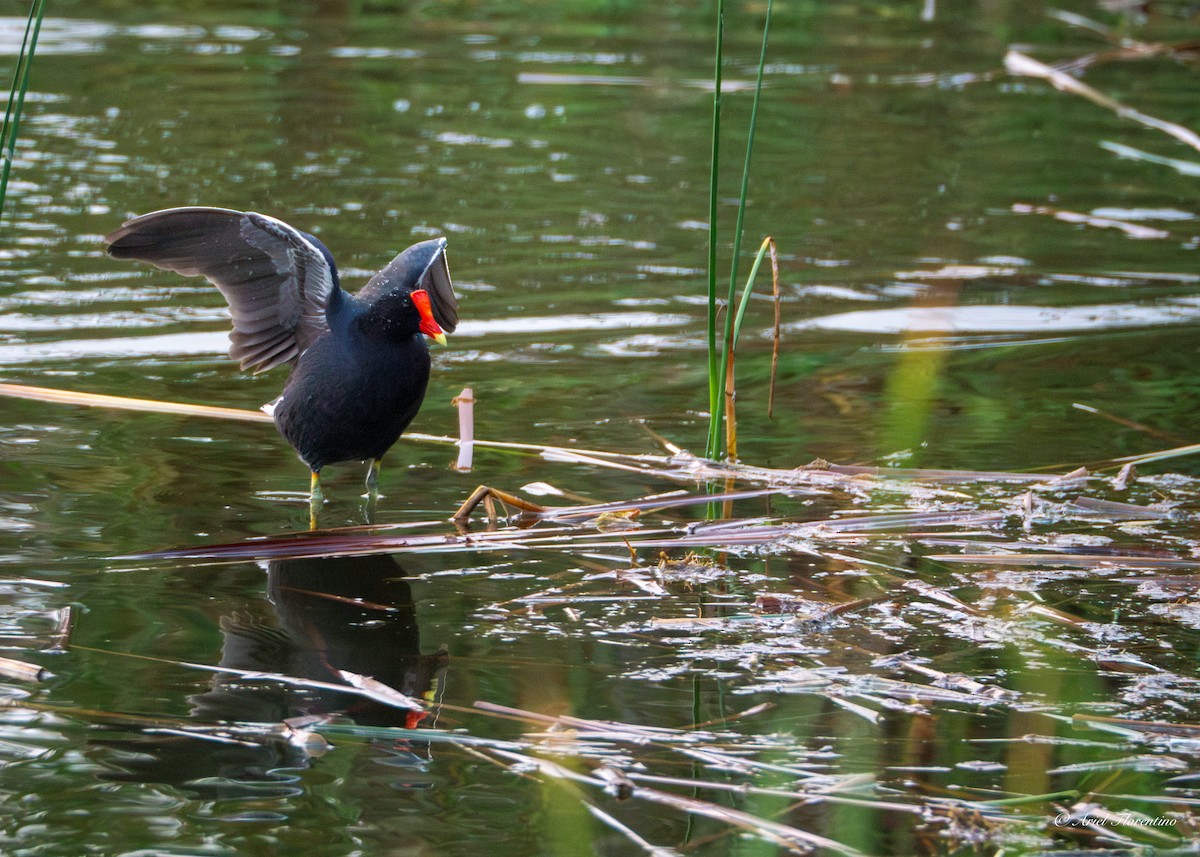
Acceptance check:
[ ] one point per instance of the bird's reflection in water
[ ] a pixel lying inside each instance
(328, 614)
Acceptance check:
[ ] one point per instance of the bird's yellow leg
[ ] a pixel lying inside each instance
(315, 499)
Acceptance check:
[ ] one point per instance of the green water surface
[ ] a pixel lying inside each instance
(929, 320)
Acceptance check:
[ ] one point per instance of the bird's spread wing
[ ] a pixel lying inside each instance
(421, 266)
(276, 279)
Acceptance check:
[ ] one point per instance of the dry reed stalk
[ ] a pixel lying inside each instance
(776, 336)
(122, 403)
(1017, 63)
(465, 402)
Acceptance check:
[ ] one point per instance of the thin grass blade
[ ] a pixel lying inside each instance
(714, 382)
(16, 94)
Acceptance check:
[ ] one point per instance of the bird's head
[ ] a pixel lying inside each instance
(413, 293)
(401, 313)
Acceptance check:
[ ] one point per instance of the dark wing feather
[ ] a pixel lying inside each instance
(277, 281)
(421, 266)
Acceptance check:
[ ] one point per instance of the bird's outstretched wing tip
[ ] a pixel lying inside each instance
(277, 296)
(146, 225)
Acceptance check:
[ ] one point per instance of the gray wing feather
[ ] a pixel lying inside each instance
(421, 266)
(276, 281)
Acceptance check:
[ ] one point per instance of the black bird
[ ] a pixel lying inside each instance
(360, 364)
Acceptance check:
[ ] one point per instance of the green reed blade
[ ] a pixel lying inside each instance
(717, 383)
(12, 90)
(745, 300)
(732, 337)
(714, 386)
(738, 229)
(16, 94)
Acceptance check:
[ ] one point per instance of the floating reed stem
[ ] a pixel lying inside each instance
(22, 671)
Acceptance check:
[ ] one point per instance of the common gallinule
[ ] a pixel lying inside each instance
(359, 362)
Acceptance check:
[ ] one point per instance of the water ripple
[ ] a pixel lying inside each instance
(1006, 319)
(217, 341)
